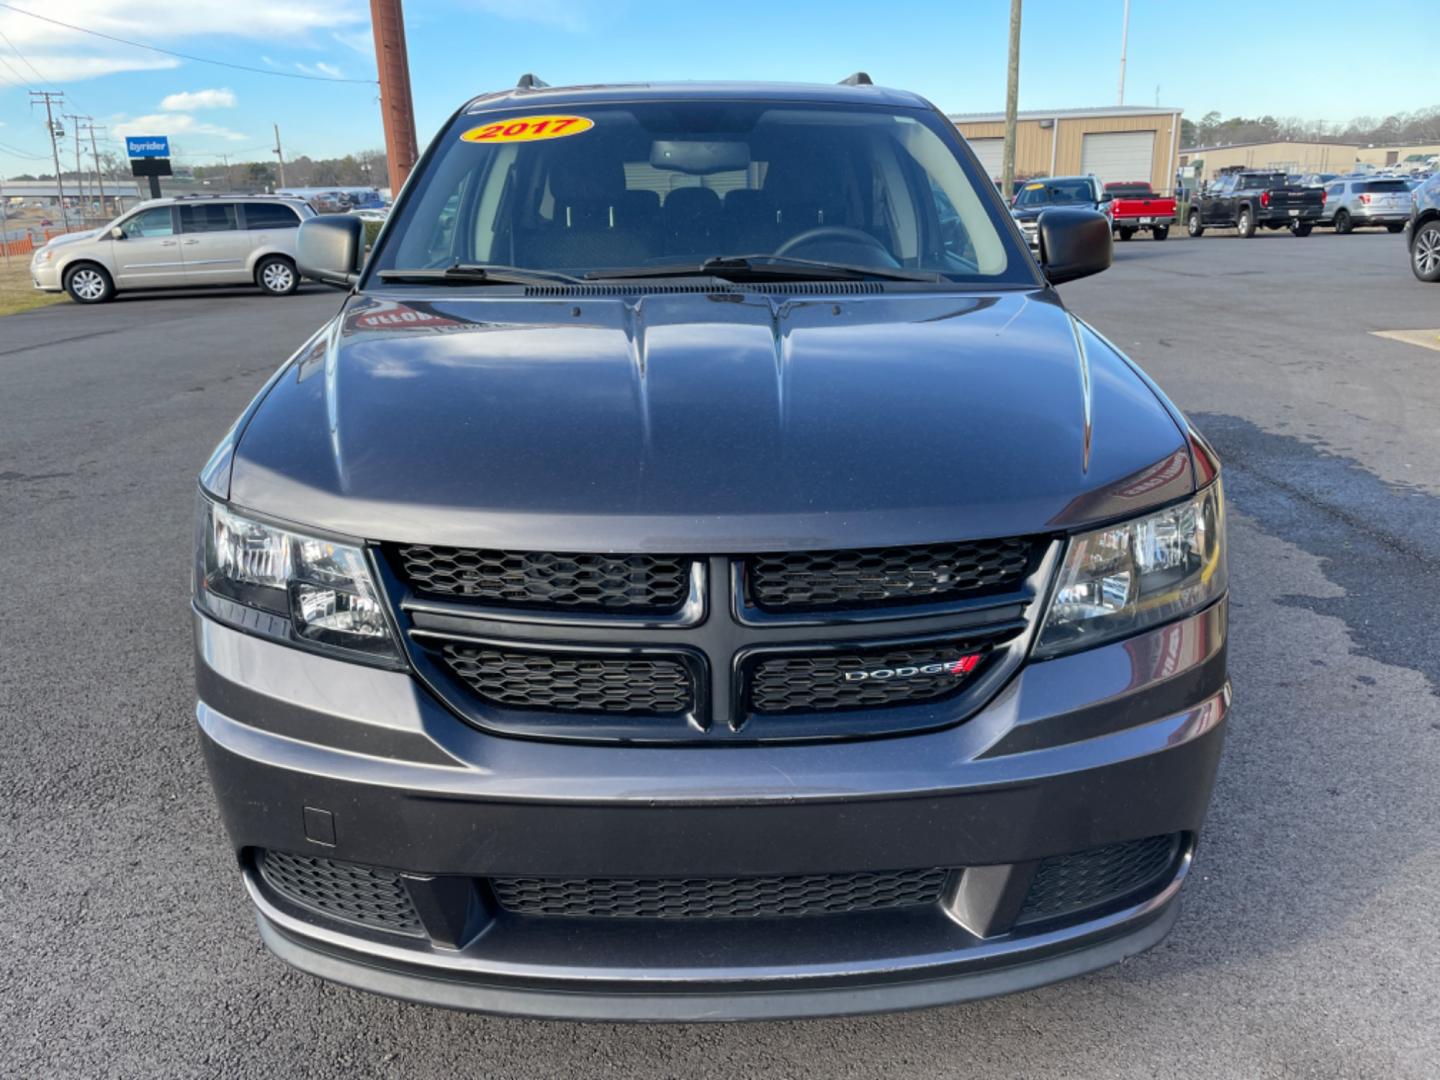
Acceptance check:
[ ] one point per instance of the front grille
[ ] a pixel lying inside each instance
(1065, 884)
(820, 580)
(638, 584)
(819, 684)
(357, 894)
(719, 898)
(579, 684)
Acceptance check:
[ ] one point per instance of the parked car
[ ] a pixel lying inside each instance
(1317, 179)
(1247, 201)
(1037, 196)
(1134, 207)
(1424, 229)
(178, 241)
(1370, 202)
(584, 629)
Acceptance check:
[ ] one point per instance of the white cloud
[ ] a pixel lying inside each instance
(321, 69)
(190, 100)
(361, 41)
(67, 67)
(174, 124)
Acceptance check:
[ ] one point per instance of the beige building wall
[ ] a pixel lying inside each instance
(1288, 156)
(1394, 155)
(1056, 151)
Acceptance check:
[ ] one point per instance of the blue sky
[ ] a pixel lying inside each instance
(952, 51)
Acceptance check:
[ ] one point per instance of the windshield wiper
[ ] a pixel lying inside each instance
(769, 267)
(459, 273)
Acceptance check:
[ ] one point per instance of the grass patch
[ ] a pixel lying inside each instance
(16, 292)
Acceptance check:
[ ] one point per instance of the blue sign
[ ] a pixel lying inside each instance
(147, 145)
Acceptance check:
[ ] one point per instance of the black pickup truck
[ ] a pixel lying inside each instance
(1250, 200)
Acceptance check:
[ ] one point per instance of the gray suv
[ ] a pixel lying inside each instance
(1425, 230)
(1360, 202)
(703, 571)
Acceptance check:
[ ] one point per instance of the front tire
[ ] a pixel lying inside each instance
(1192, 224)
(1301, 228)
(1425, 252)
(1246, 224)
(277, 276)
(1159, 232)
(89, 284)
(1343, 224)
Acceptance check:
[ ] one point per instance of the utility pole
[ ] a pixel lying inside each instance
(279, 155)
(1012, 97)
(50, 98)
(387, 21)
(226, 159)
(1124, 42)
(99, 172)
(4, 226)
(79, 174)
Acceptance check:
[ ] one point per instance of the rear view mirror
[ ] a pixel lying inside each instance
(700, 156)
(117, 233)
(328, 248)
(1074, 243)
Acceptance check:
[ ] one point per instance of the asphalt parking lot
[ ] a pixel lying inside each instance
(1308, 945)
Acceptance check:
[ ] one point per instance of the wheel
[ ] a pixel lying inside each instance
(276, 275)
(1394, 227)
(1343, 224)
(1246, 223)
(1192, 224)
(1301, 228)
(1159, 232)
(1425, 252)
(1126, 232)
(88, 284)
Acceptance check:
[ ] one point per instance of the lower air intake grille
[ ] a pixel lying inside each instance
(581, 684)
(894, 677)
(1065, 884)
(636, 584)
(819, 580)
(357, 894)
(719, 898)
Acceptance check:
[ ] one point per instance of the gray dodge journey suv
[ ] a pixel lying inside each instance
(704, 572)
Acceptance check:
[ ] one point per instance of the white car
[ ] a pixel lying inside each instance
(175, 242)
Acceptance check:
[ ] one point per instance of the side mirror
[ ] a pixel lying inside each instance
(1074, 243)
(117, 233)
(329, 248)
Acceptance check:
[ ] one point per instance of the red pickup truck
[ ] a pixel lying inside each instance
(1135, 206)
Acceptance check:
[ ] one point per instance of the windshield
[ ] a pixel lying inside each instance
(657, 185)
(1056, 192)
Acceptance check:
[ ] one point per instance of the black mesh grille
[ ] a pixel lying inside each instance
(719, 898)
(535, 579)
(893, 677)
(583, 684)
(814, 580)
(1065, 884)
(349, 891)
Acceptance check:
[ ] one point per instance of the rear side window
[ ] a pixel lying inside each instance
(259, 215)
(207, 217)
(1384, 185)
(154, 222)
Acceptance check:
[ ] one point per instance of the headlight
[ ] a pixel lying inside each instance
(1120, 580)
(299, 589)
(43, 255)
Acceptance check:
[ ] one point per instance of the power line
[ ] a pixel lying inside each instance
(21, 153)
(180, 55)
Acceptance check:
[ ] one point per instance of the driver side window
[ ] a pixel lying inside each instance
(154, 222)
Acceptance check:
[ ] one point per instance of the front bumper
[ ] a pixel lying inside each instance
(45, 276)
(328, 759)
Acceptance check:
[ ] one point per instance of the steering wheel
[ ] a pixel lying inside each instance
(842, 233)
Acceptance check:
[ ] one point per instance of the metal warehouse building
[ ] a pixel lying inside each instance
(1300, 157)
(1125, 142)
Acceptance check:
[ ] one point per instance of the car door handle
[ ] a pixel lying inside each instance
(167, 243)
(189, 242)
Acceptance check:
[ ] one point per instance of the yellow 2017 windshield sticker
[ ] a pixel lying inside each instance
(529, 129)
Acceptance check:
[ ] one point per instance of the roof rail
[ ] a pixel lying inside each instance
(531, 82)
(858, 79)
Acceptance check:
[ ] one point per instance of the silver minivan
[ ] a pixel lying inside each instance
(178, 242)
(1357, 202)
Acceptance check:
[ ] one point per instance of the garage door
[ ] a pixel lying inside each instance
(1118, 155)
(991, 153)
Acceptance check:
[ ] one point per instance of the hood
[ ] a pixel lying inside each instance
(706, 422)
(74, 237)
